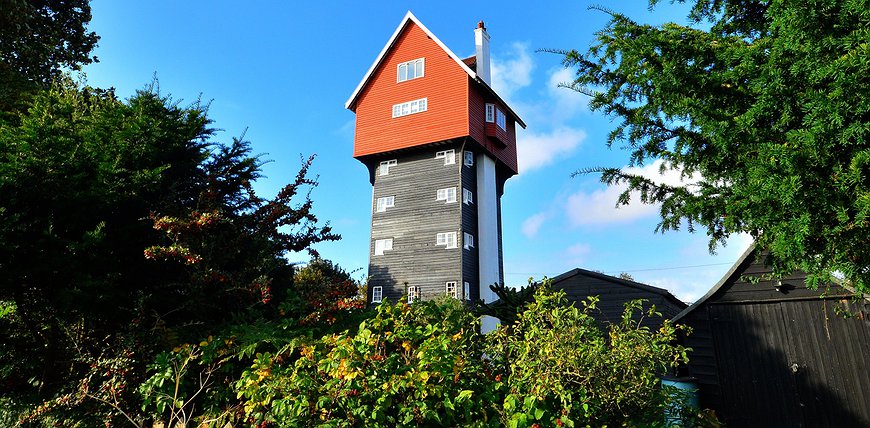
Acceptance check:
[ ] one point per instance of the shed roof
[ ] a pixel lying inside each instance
(619, 281)
(733, 271)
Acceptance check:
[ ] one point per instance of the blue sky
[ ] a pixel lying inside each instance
(280, 72)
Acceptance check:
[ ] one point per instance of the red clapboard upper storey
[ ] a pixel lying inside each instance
(419, 92)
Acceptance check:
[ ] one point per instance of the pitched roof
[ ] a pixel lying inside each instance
(750, 252)
(624, 282)
(409, 17)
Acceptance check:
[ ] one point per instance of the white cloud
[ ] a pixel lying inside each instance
(512, 73)
(577, 253)
(532, 224)
(599, 206)
(536, 150)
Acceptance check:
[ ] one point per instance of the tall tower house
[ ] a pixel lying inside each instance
(439, 145)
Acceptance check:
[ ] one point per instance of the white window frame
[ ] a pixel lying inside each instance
(383, 203)
(490, 113)
(382, 245)
(467, 240)
(451, 290)
(500, 119)
(467, 196)
(402, 70)
(468, 158)
(448, 195)
(449, 156)
(448, 239)
(466, 290)
(377, 294)
(384, 167)
(410, 107)
(413, 293)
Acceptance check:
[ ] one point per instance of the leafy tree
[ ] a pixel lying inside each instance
(557, 368)
(39, 39)
(768, 111)
(127, 231)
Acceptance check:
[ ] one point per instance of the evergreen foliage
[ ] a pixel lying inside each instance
(767, 108)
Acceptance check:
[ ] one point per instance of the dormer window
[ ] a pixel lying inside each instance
(410, 70)
(495, 115)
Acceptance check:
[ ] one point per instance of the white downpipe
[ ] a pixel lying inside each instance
(487, 230)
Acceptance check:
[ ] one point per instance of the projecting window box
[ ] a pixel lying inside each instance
(413, 294)
(385, 202)
(410, 107)
(448, 239)
(466, 290)
(377, 294)
(494, 114)
(467, 197)
(382, 245)
(449, 156)
(447, 195)
(410, 70)
(468, 158)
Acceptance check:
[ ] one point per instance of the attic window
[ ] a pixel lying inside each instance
(410, 70)
(410, 107)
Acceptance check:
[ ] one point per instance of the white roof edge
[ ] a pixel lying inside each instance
(408, 16)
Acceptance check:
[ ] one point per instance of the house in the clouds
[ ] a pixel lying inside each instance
(771, 352)
(439, 145)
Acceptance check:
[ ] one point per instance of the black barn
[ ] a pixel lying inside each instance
(777, 354)
(614, 293)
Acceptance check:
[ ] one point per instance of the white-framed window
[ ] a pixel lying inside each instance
(447, 239)
(377, 294)
(467, 196)
(384, 168)
(413, 294)
(447, 195)
(382, 245)
(500, 119)
(467, 240)
(410, 107)
(449, 156)
(410, 70)
(450, 289)
(468, 158)
(490, 113)
(466, 290)
(494, 114)
(384, 203)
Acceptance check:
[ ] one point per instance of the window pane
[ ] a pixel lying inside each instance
(403, 71)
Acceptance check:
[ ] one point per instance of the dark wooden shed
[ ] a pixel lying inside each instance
(614, 293)
(777, 354)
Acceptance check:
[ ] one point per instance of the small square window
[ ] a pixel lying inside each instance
(384, 168)
(449, 156)
(384, 203)
(413, 294)
(382, 245)
(467, 241)
(468, 158)
(447, 195)
(466, 290)
(447, 239)
(467, 196)
(450, 289)
(377, 294)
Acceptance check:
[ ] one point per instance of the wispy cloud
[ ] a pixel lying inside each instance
(600, 206)
(577, 254)
(536, 150)
(514, 72)
(532, 224)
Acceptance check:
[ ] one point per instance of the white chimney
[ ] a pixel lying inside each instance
(481, 45)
